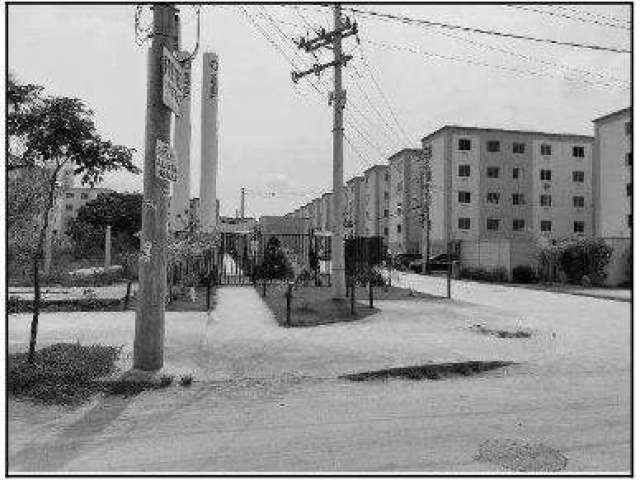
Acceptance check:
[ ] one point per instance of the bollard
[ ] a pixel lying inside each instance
(370, 294)
(264, 289)
(289, 285)
(208, 296)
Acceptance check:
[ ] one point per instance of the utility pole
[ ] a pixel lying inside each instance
(107, 247)
(148, 345)
(338, 98)
(242, 194)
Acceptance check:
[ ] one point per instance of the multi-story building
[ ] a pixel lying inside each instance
(354, 214)
(405, 201)
(326, 204)
(491, 184)
(70, 202)
(613, 188)
(376, 201)
(316, 217)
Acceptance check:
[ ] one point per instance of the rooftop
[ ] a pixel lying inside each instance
(502, 130)
(608, 116)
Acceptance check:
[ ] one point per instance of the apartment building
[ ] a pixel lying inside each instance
(613, 187)
(326, 209)
(492, 184)
(354, 214)
(405, 201)
(376, 201)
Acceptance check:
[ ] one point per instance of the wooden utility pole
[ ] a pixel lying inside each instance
(338, 98)
(148, 345)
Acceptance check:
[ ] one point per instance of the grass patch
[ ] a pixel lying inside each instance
(432, 371)
(63, 373)
(501, 333)
(391, 293)
(129, 388)
(312, 306)
(19, 305)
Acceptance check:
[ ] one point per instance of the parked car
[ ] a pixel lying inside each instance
(402, 260)
(439, 263)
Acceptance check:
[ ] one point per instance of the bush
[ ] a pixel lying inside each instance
(275, 264)
(523, 274)
(585, 257)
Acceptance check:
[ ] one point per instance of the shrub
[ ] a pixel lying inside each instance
(498, 274)
(275, 264)
(523, 274)
(585, 257)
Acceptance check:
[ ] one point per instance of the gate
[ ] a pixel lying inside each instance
(237, 258)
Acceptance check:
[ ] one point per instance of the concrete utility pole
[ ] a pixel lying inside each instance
(426, 229)
(242, 194)
(148, 345)
(209, 142)
(338, 98)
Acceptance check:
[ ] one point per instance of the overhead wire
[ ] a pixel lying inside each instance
(566, 16)
(496, 33)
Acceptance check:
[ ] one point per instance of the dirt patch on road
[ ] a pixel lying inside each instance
(432, 371)
(520, 456)
(501, 333)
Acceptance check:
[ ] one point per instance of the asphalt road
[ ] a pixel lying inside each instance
(268, 399)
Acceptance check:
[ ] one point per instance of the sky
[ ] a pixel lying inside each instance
(403, 82)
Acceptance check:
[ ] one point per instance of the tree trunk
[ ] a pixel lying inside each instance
(38, 255)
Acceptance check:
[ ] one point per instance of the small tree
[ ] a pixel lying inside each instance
(275, 264)
(57, 132)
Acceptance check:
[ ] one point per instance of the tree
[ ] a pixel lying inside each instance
(57, 132)
(275, 264)
(123, 211)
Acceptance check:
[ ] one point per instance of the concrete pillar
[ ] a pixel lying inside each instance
(209, 142)
(107, 247)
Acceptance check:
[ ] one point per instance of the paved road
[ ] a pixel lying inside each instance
(267, 398)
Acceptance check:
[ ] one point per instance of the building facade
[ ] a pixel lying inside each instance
(405, 201)
(326, 204)
(491, 184)
(70, 202)
(376, 201)
(354, 215)
(613, 188)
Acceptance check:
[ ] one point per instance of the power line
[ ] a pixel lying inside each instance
(474, 62)
(570, 17)
(601, 16)
(415, 21)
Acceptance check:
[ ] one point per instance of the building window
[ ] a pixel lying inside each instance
(628, 128)
(516, 172)
(399, 210)
(578, 152)
(629, 189)
(493, 197)
(518, 147)
(545, 175)
(578, 177)
(84, 196)
(517, 198)
(464, 170)
(399, 187)
(629, 159)
(545, 226)
(386, 231)
(464, 223)
(68, 195)
(545, 149)
(428, 151)
(399, 228)
(464, 197)
(386, 195)
(493, 146)
(578, 227)
(545, 200)
(518, 224)
(493, 224)
(578, 202)
(386, 177)
(386, 213)
(493, 172)
(68, 207)
(464, 144)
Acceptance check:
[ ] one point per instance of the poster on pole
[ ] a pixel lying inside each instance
(166, 164)
(173, 80)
